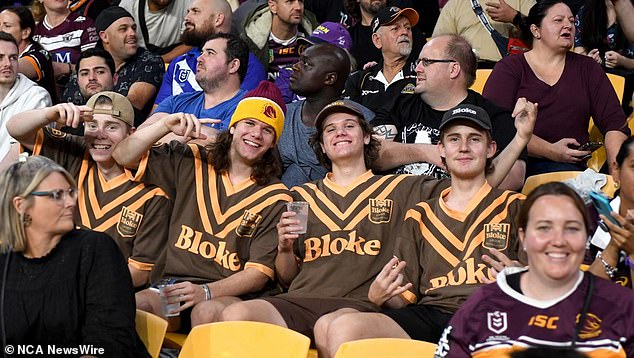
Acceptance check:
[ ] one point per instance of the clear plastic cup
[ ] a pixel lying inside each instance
(300, 208)
(168, 308)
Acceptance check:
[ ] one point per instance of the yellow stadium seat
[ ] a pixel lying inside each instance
(151, 329)
(174, 340)
(386, 347)
(599, 155)
(482, 75)
(244, 339)
(534, 181)
(312, 353)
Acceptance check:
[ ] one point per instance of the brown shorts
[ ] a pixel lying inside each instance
(301, 313)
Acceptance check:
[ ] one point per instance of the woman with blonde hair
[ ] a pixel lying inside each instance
(59, 285)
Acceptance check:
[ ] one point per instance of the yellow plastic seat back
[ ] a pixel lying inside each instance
(243, 339)
(534, 181)
(386, 347)
(482, 75)
(151, 329)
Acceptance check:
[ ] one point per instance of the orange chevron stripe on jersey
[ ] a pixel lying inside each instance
(219, 216)
(431, 239)
(359, 205)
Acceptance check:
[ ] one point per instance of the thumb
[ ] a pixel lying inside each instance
(502, 2)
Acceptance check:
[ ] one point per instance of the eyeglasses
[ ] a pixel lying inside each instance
(429, 61)
(58, 195)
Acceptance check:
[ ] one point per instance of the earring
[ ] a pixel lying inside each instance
(616, 185)
(26, 220)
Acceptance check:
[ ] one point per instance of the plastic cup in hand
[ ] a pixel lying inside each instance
(168, 308)
(300, 208)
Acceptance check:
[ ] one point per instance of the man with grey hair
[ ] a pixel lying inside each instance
(379, 85)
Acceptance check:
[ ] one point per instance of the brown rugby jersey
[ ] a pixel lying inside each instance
(216, 228)
(351, 231)
(134, 214)
(443, 247)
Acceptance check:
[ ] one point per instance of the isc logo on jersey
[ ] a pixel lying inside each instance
(129, 222)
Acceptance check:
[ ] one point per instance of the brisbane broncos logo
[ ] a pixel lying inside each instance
(269, 111)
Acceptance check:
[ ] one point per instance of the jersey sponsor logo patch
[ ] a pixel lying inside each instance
(380, 210)
(316, 247)
(496, 321)
(182, 75)
(248, 224)
(129, 222)
(496, 236)
(408, 89)
(591, 327)
(368, 92)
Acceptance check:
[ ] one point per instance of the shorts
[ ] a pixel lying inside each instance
(421, 322)
(301, 313)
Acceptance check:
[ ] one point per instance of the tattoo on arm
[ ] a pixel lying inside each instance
(387, 132)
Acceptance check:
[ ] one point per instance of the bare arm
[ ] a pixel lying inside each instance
(28, 69)
(394, 154)
(176, 51)
(139, 278)
(525, 114)
(130, 150)
(514, 180)
(140, 94)
(286, 265)
(624, 15)
(24, 126)
(613, 141)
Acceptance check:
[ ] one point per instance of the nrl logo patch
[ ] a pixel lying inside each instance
(496, 322)
(129, 222)
(380, 210)
(496, 236)
(249, 224)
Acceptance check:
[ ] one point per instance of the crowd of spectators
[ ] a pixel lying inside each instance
(181, 129)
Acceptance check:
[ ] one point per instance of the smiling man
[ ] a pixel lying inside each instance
(135, 215)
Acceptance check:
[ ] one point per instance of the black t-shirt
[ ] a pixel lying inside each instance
(417, 122)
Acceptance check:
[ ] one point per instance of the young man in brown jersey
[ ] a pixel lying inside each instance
(438, 251)
(134, 214)
(353, 215)
(227, 200)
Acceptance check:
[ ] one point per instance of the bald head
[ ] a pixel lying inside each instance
(459, 49)
(205, 18)
(321, 68)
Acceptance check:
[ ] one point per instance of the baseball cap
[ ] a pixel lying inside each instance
(469, 112)
(389, 14)
(121, 107)
(108, 16)
(332, 33)
(341, 106)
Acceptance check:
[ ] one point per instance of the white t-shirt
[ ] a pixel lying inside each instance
(164, 27)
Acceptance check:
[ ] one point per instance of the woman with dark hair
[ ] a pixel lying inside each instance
(569, 88)
(599, 35)
(552, 303)
(616, 242)
(227, 199)
(35, 62)
(60, 286)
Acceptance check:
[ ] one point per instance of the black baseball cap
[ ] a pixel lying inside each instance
(389, 14)
(469, 112)
(341, 106)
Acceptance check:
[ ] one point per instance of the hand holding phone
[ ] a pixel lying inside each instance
(602, 204)
(590, 146)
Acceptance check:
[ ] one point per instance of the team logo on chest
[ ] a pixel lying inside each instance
(182, 75)
(129, 222)
(496, 236)
(380, 210)
(248, 224)
(496, 321)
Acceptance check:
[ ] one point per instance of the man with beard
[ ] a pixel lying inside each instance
(319, 75)
(271, 30)
(204, 18)
(380, 85)
(219, 71)
(17, 94)
(157, 22)
(138, 71)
